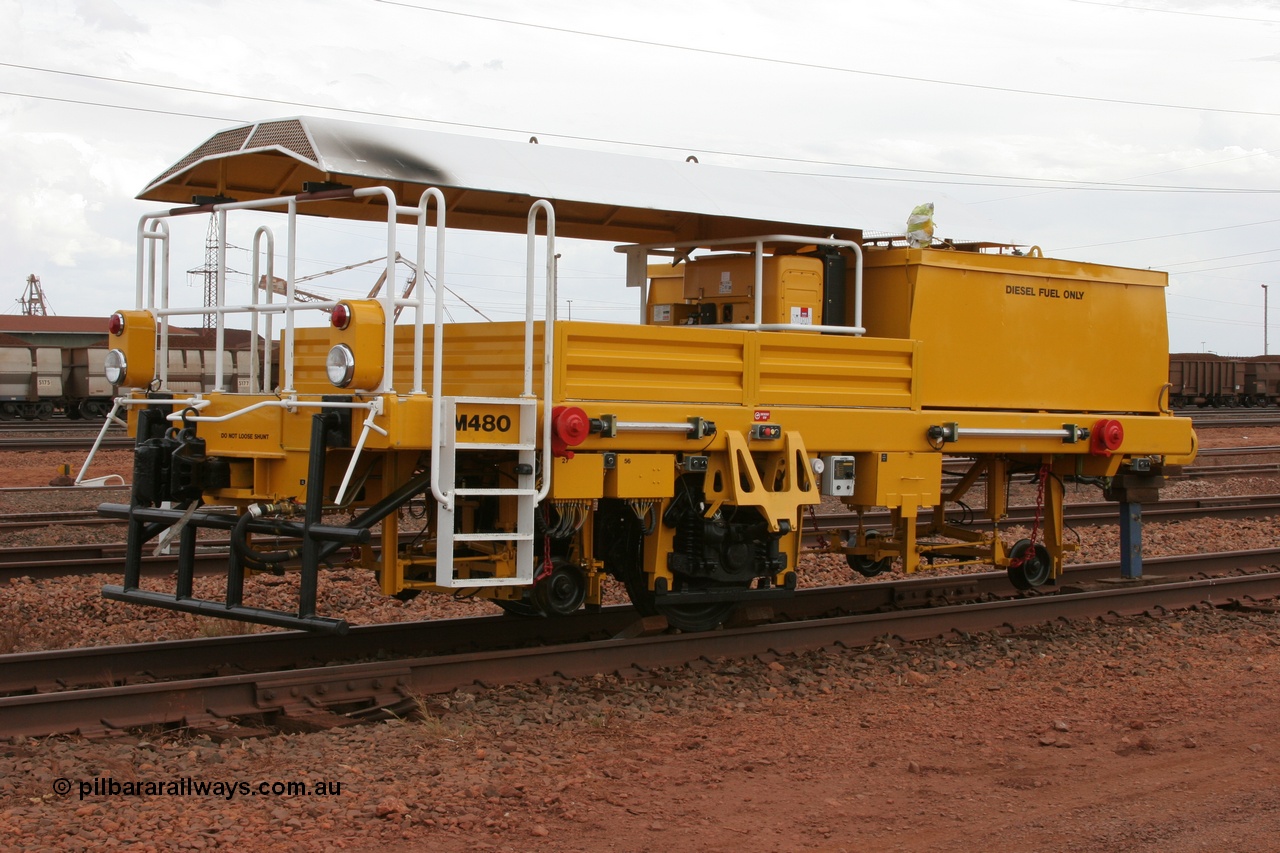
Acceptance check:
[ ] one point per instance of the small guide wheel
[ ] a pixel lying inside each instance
(561, 592)
(864, 565)
(1028, 567)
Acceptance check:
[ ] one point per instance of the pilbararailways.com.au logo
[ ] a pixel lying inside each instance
(187, 786)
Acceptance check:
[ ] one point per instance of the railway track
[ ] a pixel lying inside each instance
(37, 443)
(1210, 418)
(58, 423)
(303, 681)
(42, 562)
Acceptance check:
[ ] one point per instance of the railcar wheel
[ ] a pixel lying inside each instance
(517, 607)
(562, 592)
(1029, 570)
(696, 617)
(864, 565)
(705, 616)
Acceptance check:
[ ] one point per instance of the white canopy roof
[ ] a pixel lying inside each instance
(490, 183)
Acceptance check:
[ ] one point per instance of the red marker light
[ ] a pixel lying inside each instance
(116, 324)
(1106, 437)
(570, 426)
(341, 317)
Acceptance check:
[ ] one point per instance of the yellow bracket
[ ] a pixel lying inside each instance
(777, 482)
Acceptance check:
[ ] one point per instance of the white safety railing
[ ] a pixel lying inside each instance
(152, 287)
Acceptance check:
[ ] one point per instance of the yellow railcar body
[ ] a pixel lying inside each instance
(679, 455)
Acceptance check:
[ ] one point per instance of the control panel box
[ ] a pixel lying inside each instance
(837, 476)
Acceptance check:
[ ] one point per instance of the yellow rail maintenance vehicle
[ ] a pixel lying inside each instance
(780, 357)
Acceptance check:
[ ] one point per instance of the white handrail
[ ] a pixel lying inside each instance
(152, 230)
(220, 285)
(375, 409)
(254, 384)
(97, 442)
(420, 304)
(286, 351)
(284, 403)
(445, 498)
(548, 331)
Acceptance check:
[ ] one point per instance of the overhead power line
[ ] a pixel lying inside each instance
(1004, 181)
(1126, 7)
(988, 179)
(1169, 236)
(820, 67)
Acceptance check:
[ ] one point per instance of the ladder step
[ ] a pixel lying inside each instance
(489, 445)
(464, 583)
(496, 401)
(495, 492)
(493, 537)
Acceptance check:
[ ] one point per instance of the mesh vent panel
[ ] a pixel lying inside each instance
(286, 134)
(223, 143)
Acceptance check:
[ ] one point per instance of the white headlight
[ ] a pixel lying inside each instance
(340, 365)
(115, 366)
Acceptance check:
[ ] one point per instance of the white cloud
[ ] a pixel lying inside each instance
(107, 16)
(71, 169)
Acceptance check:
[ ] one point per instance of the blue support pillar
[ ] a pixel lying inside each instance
(1130, 540)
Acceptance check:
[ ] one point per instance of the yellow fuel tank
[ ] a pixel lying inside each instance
(1007, 332)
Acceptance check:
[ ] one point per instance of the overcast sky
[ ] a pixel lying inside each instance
(1144, 133)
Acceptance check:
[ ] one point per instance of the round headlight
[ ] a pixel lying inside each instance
(116, 324)
(115, 366)
(340, 365)
(341, 316)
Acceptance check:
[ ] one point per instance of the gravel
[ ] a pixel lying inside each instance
(946, 745)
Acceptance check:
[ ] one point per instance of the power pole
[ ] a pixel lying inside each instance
(1264, 320)
(33, 304)
(208, 273)
(210, 270)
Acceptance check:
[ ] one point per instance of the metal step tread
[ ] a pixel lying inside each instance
(492, 537)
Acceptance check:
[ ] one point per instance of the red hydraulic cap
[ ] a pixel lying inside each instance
(1106, 437)
(569, 426)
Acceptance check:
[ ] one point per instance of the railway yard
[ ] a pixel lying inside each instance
(979, 721)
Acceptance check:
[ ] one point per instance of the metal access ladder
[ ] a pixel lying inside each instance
(525, 491)
(445, 446)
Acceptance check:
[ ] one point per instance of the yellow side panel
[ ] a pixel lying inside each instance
(408, 424)
(480, 359)
(1009, 332)
(579, 478)
(599, 361)
(310, 349)
(832, 370)
(897, 479)
(641, 475)
(254, 434)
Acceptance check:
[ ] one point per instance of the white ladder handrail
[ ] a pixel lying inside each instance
(421, 304)
(548, 331)
(254, 384)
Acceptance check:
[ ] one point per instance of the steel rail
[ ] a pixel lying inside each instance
(321, 690)
(42, 562)
(46, 442)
